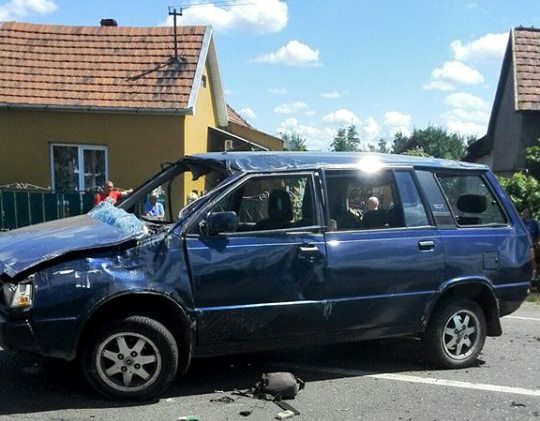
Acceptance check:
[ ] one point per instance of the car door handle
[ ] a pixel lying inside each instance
(426, 245)
(308, 251)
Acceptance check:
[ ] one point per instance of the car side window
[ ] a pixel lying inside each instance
(361, 201)
(437, 203)
(413, 208)
(271, 202)
(471, 200)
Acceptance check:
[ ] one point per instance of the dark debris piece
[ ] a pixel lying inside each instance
(223, 399)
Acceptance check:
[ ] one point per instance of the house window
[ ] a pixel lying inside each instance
(204, 81)
(78, 167)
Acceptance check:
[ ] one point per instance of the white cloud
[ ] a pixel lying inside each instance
(260, 16)
(248, 114)
(293, 54)
(15, 9)
(278, 91)
(466, 128)
(369, 131)
(316, 138)
(469, 115)
(476, 116)
(396, 121)
(489, 47)
(342, 116)
(331, 95)
(466, 101)
(439, 85)
(456, 71)
(291, 108)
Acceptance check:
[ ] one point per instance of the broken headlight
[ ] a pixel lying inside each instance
(18, 295)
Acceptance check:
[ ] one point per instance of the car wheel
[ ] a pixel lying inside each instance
(455, 334)
(133, 358)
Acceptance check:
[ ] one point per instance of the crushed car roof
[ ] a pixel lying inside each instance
(258, 161)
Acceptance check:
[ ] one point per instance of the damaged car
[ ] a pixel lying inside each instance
(283, 249)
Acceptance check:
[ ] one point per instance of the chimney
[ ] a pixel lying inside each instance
(108, 22)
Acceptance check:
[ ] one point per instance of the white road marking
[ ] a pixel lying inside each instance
(418, 379)
(521, 318)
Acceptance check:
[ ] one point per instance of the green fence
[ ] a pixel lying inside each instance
(21, 208)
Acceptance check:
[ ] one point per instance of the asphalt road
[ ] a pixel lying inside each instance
(378, 380)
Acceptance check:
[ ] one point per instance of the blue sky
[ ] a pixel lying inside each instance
(312, 66)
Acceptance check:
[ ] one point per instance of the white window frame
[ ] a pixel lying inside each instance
(80, 157)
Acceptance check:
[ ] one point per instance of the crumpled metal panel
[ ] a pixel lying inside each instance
(23, 248)
(232, 162)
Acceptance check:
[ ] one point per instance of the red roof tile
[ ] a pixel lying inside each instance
(234, 117)
(83, 66)
(526, 55)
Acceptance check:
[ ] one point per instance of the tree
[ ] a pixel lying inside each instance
(346, 140)
(417, 151)
(524, 189)
(434, 141)
(293, 141)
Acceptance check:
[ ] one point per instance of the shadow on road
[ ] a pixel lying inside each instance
(32, 384)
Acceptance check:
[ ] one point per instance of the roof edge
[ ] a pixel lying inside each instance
(487, 139)
(208, 55)
(96, 109)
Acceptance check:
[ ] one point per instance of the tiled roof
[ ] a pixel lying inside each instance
(526, 54)
(93, 67)
(234, 117)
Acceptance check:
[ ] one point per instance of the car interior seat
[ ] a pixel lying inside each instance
(279, 211)
(471, 203)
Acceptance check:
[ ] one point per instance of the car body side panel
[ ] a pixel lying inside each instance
(67, 294)
(381, 279)
(500, 254)
(256, 286)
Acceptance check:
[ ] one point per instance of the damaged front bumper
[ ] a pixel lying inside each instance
(18, 335)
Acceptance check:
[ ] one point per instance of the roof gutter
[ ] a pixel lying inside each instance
(96, 109)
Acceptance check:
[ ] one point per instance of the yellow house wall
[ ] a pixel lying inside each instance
(196, 130)
(137, 144)
(271, 142)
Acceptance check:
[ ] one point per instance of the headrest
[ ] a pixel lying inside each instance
(472, 203)
(279, 206)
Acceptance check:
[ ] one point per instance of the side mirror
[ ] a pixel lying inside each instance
(218, 222)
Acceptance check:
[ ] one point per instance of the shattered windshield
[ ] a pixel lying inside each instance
(127, 223)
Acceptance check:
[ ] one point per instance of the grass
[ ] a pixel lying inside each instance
(534, 297)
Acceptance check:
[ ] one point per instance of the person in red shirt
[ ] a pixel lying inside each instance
(109, 194)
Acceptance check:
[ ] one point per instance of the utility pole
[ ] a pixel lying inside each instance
(175, 11)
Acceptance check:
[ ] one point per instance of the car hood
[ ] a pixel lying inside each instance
(24, 248)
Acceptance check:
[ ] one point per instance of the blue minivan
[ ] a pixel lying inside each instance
(281, 249)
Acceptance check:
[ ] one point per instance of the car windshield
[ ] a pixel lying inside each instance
(127, 223)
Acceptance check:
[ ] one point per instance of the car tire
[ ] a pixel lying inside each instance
(455, 334)
(133, 358)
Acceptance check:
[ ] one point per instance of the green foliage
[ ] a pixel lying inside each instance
(346, 140)
(381, 147)
(434, 141)
(417, 151)
(523, 191)
(293, 141)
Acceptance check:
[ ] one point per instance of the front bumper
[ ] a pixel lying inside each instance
(18, 335)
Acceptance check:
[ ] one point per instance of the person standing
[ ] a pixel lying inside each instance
(109, 194)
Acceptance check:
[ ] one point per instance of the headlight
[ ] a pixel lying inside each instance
(18, 295)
